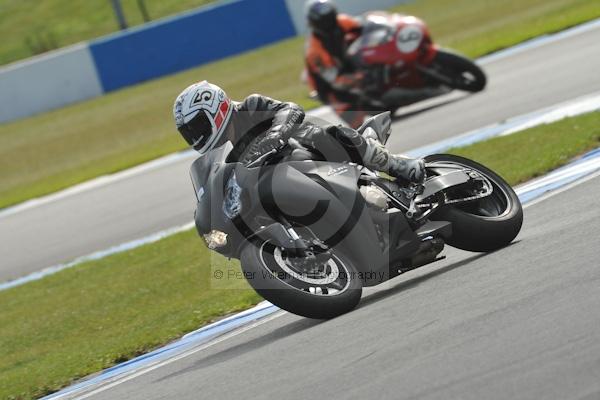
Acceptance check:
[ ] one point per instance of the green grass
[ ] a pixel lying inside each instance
(49, 152)
(479, 27)
(28, 26)
(92, 316)
(87, 318)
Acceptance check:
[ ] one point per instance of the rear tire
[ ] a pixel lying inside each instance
(479, 233)
(291, 298)
(465, 74)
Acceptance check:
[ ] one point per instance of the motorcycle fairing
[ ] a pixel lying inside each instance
(324, 197)
(209, 172)
(384, 39)
(321, 195)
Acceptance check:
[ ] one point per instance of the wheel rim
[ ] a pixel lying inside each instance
(332, 279)
(498, 204)
(462, 79)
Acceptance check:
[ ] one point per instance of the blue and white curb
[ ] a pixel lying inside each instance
(559, 178)
(184, 345)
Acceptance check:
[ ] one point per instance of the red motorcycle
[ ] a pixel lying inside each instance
(399, 49)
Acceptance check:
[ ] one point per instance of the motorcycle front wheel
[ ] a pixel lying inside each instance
(462, 73)
(328, 291)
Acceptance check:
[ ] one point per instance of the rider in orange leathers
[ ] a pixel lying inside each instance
(353, 93)
(329, 71)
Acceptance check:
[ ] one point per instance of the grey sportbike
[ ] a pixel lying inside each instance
(311, 233)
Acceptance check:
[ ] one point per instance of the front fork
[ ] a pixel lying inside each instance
(423, 65)
(305, 253)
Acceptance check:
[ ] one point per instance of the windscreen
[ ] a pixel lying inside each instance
(377, 30)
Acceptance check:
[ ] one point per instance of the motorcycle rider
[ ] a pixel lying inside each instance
(337, 81)
(207, 118)
(330, 72)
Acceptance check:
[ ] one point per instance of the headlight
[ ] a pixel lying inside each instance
(215, 239)
(232, 206)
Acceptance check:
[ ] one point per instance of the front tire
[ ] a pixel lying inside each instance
(464, 73)
(261, 262)
(483, 225)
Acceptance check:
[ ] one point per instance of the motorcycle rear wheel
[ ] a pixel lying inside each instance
(486, 224)
(262, 265)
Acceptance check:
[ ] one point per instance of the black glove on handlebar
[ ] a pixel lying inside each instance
(274, 140)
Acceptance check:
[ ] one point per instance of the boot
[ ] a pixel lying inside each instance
(378, 157)
(411, 169)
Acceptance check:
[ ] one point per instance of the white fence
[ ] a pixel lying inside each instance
(46, 82)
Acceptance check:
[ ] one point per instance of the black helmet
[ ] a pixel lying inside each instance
(322, 16)
(202, 112)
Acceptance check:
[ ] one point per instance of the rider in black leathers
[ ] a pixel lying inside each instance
(206, 118)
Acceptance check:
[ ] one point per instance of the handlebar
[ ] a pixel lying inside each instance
(293, 143)
(260, 159)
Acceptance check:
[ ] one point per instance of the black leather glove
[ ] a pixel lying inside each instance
(273, 140)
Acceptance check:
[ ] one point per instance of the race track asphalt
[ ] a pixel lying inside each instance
(108, 215)
(519, 323)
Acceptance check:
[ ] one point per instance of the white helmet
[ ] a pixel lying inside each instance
(202, 112)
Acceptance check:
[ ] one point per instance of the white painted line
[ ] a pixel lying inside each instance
(319, 113)
(98, 182)
(187, 354)
(583, 168)
(580, 105)
(540, 41)
(96, 256)
(565, 188)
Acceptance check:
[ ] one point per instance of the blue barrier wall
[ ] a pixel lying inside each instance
(188, 40)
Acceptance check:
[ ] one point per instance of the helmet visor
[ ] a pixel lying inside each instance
(197, 131)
